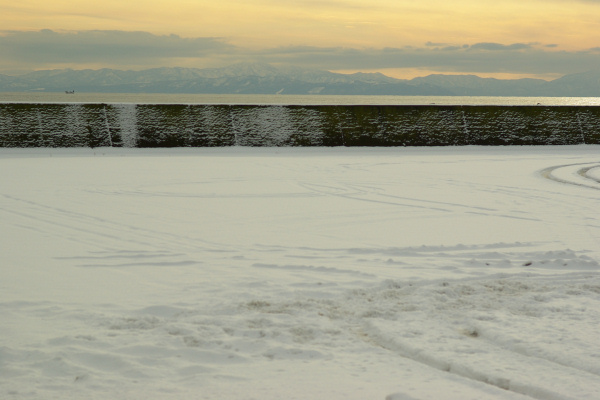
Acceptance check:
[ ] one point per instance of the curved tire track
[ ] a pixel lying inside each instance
(585, 172)
(594, 183)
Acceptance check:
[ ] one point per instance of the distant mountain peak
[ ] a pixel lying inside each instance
(263, 78)
(250, 69)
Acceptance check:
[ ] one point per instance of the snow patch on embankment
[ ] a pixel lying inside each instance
(218, 125)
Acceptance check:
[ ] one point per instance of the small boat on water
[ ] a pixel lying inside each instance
(70, 91)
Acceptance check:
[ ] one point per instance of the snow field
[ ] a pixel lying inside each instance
(451, 273)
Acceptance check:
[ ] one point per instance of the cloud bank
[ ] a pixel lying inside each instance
(46, 48)
(515, 58)
(117, 47)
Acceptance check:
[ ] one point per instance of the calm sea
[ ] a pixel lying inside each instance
(163, 98)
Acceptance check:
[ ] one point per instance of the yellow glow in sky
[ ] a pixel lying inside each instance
(559, 25)
(374, 23)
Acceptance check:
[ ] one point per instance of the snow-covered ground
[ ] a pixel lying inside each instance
(291, 273)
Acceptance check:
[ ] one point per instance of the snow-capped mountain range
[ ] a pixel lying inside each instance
(259, 78)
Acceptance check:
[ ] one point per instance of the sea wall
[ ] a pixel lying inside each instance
(171, 125)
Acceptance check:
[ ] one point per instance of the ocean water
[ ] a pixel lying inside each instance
(164, 98)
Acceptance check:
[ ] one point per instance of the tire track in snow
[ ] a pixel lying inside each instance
(482, 355)
(585, 172)
(87, 229)
(462, 369)
(355, 194)
(550, 173)
(587, 181)
(359, 193)
(425, 323)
